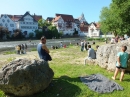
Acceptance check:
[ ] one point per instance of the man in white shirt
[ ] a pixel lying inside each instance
(91, 54)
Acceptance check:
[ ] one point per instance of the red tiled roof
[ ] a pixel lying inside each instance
(57, 18)
(84, 28)
(97, 25)
(37, 17)
(66, 18)
(17, 17)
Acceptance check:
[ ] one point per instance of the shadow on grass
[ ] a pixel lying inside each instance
(61, 87)
(127, 80)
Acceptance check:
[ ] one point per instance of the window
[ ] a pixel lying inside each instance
(6, 25)
(8, 21)
(26, 22)
(1, 25)
(11, 25)
(3, 20)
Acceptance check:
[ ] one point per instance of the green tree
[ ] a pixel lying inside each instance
(48, 30)
(31, 35)
(3, 32)
(17, 34)
(115, 18)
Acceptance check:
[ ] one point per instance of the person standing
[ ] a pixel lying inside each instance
(122, 60)
(85, 45)
(25, 45)
(82, 45)
(43, 51)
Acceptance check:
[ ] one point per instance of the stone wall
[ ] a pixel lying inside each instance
(107, 55)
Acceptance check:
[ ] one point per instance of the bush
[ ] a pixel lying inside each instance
(31, 35)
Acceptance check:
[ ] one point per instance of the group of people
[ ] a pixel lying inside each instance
(117, 39)
(121, 63)
(83, 45)
(60, 46)
(21, 49)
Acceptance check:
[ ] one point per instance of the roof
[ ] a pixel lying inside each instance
(56, 18)
(97, 25)
(49, 19)
(37, 17)
(27, 13)
(66, 17)
(84, 28)
(18, 17)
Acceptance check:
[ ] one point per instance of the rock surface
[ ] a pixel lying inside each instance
(24, 77)
(107, 55)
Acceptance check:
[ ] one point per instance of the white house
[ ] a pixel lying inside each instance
(27, 24)
(64, 23)
(8, 23)
(94, 30)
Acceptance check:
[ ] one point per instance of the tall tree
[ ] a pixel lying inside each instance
(115, 18)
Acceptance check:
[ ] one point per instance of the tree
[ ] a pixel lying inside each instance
(17, 34)
(115, 18)
(3, 32)
(48, 30)
(31, 35)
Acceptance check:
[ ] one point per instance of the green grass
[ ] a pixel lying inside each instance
(9, 52)
(67, 65)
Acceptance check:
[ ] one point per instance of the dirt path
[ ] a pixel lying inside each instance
(4, 59)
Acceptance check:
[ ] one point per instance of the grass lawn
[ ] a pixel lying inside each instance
(67, 65)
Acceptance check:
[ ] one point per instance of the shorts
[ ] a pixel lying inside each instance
(121, 67)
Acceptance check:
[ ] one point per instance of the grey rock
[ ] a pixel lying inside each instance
(107, 55)
(24, 77)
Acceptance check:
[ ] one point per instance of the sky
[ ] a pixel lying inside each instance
(48, 8)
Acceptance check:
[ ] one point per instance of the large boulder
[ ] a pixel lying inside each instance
(107, 55)
(24, 77)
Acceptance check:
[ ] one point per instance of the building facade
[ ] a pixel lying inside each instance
(94, 30)
(27, 23)
(64, 23)
(82, 26)
(8, 23)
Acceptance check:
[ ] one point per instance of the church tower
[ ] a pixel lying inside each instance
(82, 18)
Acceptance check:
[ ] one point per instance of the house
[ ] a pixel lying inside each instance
(82, 25)
(64, 23)
(7, 22)
(49, 19)
(26, 23)
(94, 30)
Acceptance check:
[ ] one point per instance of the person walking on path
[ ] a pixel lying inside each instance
(122, 60)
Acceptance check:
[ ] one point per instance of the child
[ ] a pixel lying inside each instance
(122, 59)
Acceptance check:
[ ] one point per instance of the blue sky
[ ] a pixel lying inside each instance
(48, 8)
